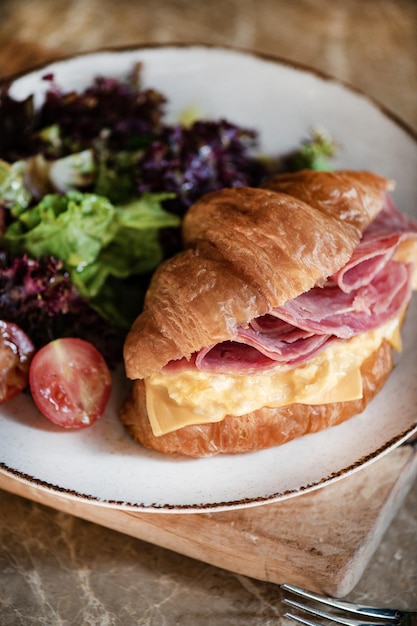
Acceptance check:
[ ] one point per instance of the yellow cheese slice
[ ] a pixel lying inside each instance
(189, 397)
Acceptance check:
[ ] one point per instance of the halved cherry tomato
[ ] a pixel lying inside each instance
(16, 351)
(70, 382)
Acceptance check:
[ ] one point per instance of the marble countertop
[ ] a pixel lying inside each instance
(56, 569)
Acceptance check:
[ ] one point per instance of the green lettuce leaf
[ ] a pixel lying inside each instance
(97, 241)
(13, 192)
(315, 153)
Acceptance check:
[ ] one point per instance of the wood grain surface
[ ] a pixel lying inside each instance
(324, 540)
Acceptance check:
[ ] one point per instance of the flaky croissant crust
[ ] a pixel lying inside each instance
(246, 251)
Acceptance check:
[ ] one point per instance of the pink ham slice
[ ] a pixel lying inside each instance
(329, 310)
(378, 245)
(267, 342)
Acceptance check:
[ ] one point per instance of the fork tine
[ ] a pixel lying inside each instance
(357, 609)
(339, 619)
(309, 622)
(301, 620)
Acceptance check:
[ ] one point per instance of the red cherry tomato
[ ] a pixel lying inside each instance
(70, 382)
(16, 351)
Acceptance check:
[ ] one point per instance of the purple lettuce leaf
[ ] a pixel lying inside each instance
(38, 296)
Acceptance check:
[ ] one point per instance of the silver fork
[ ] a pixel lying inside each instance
(340, 611)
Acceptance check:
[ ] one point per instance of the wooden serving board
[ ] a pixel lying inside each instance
(322, 540)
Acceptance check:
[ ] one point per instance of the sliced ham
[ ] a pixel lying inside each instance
(329, 310)
(378, 245)
(267, 342)
(232, 357)
(368, 291)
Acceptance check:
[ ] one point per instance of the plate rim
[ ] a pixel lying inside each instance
(213, 507)
(241, 50)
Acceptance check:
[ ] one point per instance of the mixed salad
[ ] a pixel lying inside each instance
(93, 186)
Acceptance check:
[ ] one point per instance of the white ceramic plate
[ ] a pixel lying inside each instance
(101, 464)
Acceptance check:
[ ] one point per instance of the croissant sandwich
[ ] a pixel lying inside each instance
(277, 319)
